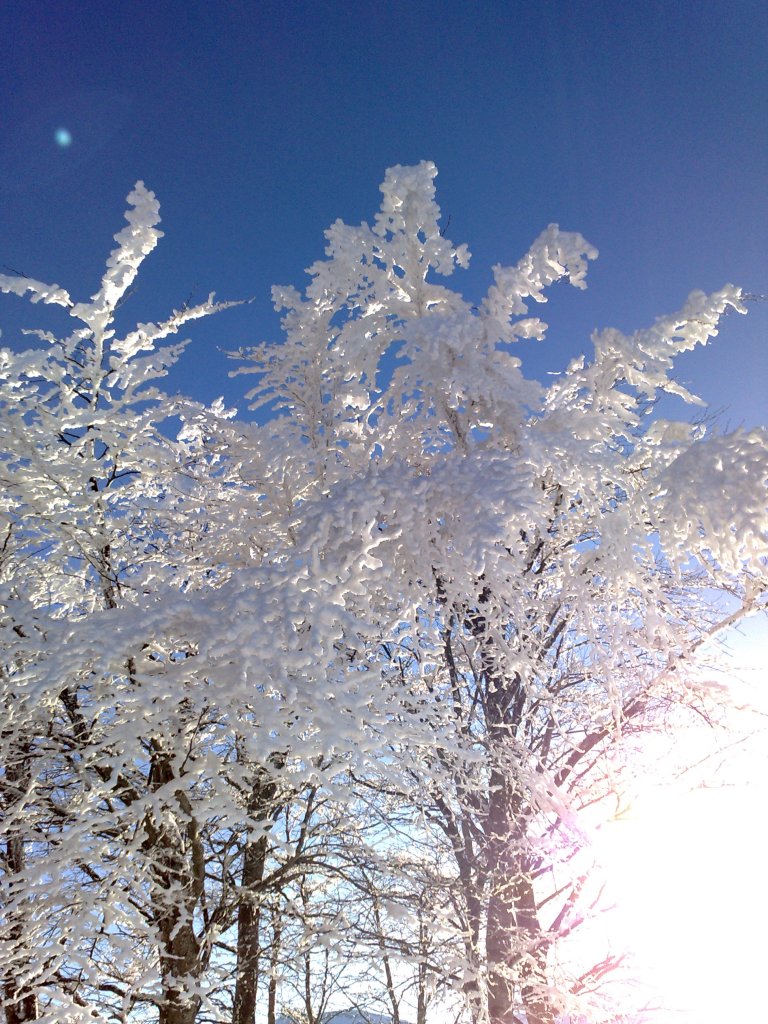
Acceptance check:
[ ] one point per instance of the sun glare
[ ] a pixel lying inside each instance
(686, 872)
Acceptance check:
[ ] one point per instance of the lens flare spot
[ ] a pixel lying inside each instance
(63, 137)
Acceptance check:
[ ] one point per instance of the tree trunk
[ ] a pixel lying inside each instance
(178, 870)
(422, 999)
(261, 807)
(389, 979)
(179, 962)
(179, 1012)
(19, 1002)
(516, 947)
(274, 961)
(248, 929)
(19, 1007)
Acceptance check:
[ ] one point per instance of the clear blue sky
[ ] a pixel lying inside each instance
(643, 125)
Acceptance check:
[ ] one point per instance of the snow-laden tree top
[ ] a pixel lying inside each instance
(420, 584)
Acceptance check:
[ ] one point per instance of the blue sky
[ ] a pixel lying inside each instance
(643, 125)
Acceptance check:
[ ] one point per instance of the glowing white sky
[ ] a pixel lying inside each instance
(686, 864)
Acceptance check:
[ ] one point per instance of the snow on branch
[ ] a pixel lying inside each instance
(135, 242)
(144, 337)
(51, 294)
(555, 254)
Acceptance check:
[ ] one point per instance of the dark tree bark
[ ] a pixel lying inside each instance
(515, 944)
(248, 933)
(261, 807)
(178, 868)
(273, 963)
(19, 1001)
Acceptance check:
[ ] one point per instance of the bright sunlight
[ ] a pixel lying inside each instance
(686, 866)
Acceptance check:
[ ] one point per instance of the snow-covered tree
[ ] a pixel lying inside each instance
(547, 558)
(418, 590)
(104, 876)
